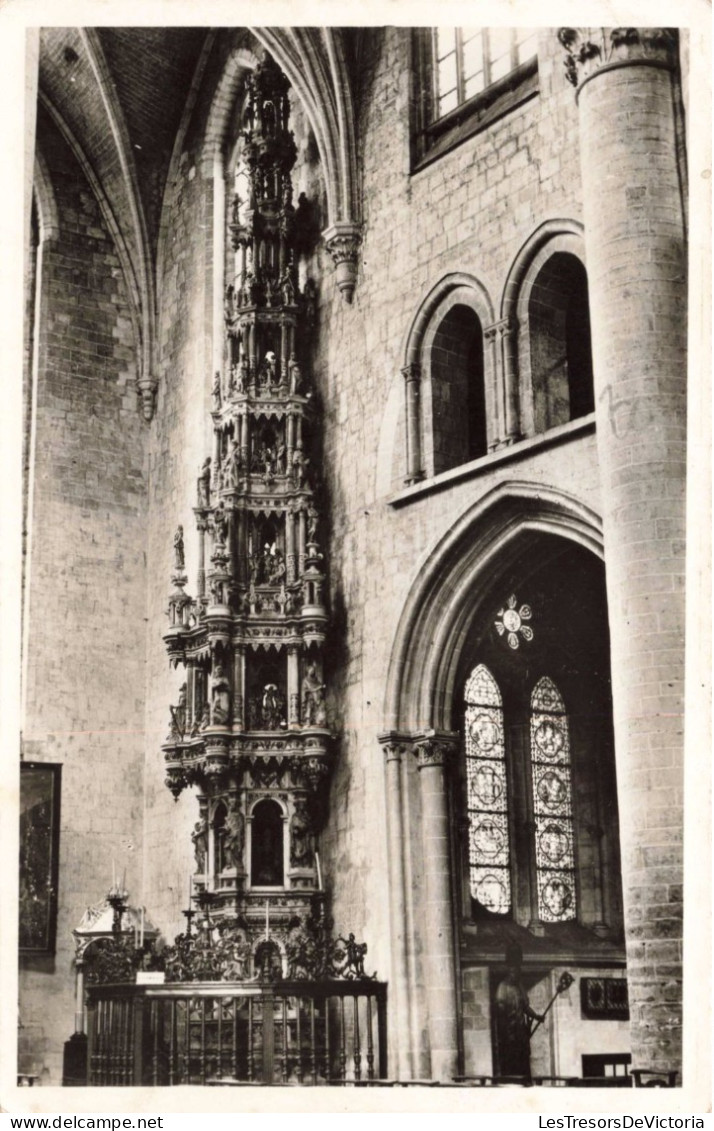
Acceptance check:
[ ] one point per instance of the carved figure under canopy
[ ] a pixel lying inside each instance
(220, 696)
(313, 698)
(199, 836)
(179, 560)
(301, 847)
(235, 829)
(220, 525)
(216, 391)
(204, 484)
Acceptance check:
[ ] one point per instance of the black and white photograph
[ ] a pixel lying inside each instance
(356, 576)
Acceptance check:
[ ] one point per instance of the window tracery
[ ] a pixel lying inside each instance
(552, 804)
(487, 794)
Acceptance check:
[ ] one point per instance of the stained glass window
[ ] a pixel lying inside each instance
(552, 804)
(487, 793)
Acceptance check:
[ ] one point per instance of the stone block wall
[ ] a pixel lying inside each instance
(84, 674)
(470, 211)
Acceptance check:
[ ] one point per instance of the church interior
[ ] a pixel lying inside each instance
(354, 451)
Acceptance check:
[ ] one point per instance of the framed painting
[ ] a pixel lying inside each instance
(39, 856)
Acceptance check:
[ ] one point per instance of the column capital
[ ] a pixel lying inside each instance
(394, 745)
(434, 748)
(589, 50)
(412, 371)
(501, 329)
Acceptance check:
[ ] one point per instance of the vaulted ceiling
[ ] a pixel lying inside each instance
(120, 95)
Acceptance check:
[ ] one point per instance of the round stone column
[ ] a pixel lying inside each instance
(432, 753)
(635, 244)
(393, 748)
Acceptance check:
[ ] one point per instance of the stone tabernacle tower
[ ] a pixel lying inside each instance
(250, 730)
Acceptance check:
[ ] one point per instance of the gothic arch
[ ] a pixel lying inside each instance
(443, 597)
(222, 105)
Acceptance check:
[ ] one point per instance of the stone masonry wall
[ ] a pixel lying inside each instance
(85, 676)
(470, 211)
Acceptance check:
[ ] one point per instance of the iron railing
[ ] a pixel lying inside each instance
(298, 1032)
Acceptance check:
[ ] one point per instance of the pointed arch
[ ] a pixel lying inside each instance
(445, 593)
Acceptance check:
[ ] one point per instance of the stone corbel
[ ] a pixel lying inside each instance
(342, 240)
(589, 49)
(146, 387)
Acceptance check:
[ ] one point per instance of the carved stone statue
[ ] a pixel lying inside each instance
(178, 714)
(203, 484)
(301, 844)
(295, 377)
(313, 698)
(220, 525)
(199, 836)
(312, 520)
(237, 378)
(179, 561)
(216, 391)
(271, 707)
(277, 568)
(220, 696)
(235, 837)
(228, 304)
(280, 459)
(266, 376)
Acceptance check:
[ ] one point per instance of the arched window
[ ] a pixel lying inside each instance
(487, 794)
(552, 805)
(560, 343)
(267, 858)
(458, 398)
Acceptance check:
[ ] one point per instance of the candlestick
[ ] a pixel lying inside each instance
(318, 869)
(267, 920)
(141, 930)
(114, 874)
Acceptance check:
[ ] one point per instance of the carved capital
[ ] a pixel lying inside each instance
(434, 749)
(393, 746)
(501, 329)
(412, 373)
(342, 240)
(589, 50)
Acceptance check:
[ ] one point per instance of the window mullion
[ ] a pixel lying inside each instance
(486, 46)
(460, 82)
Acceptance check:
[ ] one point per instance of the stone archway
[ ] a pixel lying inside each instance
(419, 716)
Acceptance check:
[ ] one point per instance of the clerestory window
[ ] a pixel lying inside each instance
(465, 78)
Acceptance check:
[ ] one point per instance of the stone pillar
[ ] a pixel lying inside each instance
(635, 243)
(290, 545)
(495, 410)
(412, 384)
(201, 526)
(399, 1023)
(293, 687)
(239, 688)
(507, 331)
(432, 752)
